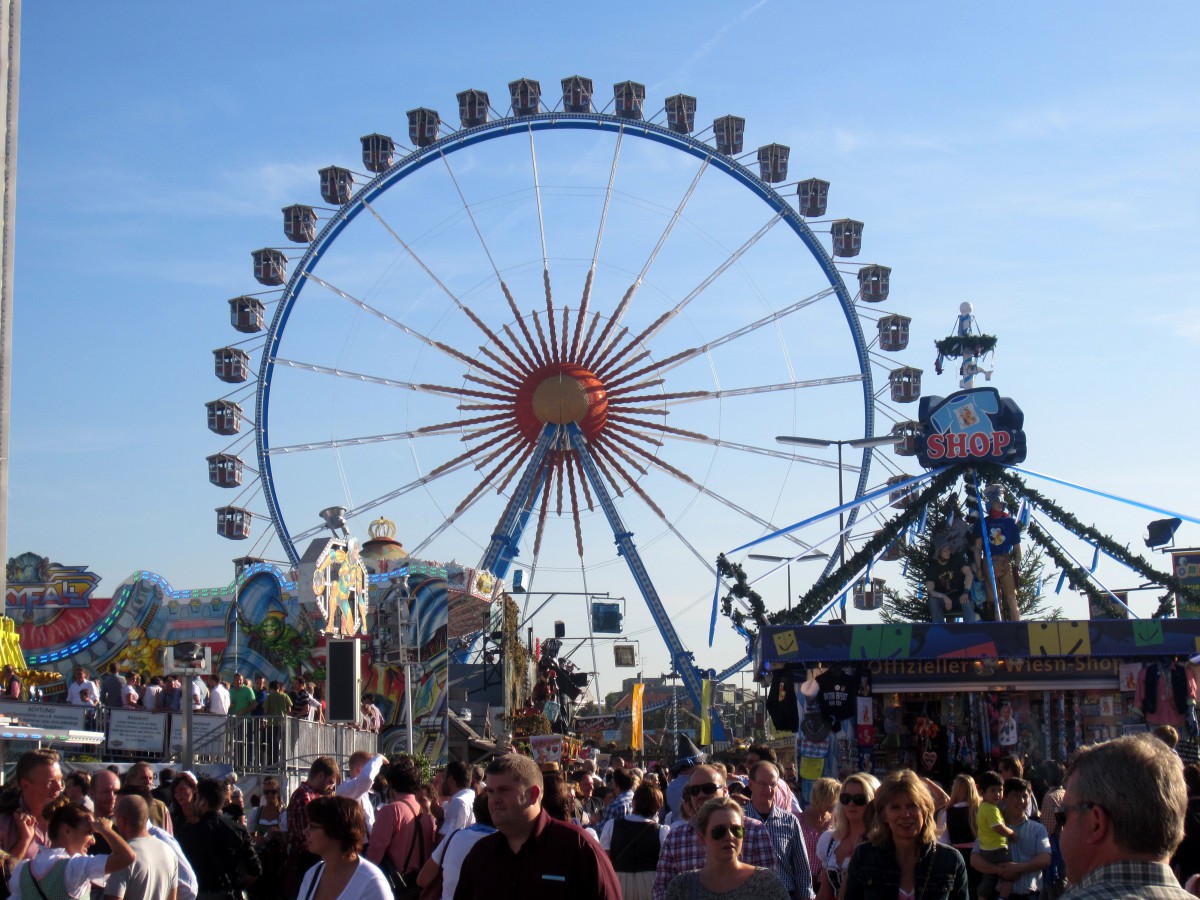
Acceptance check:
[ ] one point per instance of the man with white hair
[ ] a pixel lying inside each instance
(1121, 818)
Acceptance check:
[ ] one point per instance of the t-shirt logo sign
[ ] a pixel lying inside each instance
(975, 425)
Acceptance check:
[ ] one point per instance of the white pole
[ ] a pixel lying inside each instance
(10, 71)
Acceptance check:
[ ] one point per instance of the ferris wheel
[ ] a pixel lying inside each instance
(556, 327)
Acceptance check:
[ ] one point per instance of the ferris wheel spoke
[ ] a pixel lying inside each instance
(709, 492)
(631, 291)
(692, 396)
(411, 332)
(459, 423)
(512, 304)
(379, 501)
(537, 193)
(525, 449)
(345, 442)
(575, 519)
(461, 458)
(509, 366)
(466, 310)
(686, 355)
(576, 347)
(747, 448)
(530, 362)
(537, 324)
(543, 513)
(661, 322)
(505, 441)
(576, 473)
(367, 379)
(611, 456)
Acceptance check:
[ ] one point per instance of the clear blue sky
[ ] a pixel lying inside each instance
(1036, 159)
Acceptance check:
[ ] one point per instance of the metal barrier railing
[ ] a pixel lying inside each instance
(249, 745)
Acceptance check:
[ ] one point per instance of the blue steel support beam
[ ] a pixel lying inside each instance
(506, 538)
(683, 660)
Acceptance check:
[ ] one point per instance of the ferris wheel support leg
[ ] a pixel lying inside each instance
(683, 660)
(503, 547)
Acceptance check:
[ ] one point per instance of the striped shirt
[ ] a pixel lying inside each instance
(791, 855)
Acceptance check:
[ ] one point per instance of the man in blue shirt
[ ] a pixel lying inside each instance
(791, 856)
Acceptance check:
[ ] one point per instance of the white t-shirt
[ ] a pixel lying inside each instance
(359, 787)
(75, 687)
(367, 883)
(454, 849)
(81, 871)
(459, 811)
(150, 695)
(218, 705)
(152, 876)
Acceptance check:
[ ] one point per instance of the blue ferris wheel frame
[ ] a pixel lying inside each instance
(505, 127)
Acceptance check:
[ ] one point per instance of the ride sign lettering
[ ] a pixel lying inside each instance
(974, 425)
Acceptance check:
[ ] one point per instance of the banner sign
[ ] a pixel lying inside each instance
(136, 731)
(207, 732)
(1115, 638)
(635, 738)
(595, 723)
(1186, 567)
(51, 716)
(975, 425)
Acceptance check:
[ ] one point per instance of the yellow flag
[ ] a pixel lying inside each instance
(705, 719)
(635, 739)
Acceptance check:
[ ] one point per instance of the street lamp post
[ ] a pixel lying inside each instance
(766, 557)
(857, 444)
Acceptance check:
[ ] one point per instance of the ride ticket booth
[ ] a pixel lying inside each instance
(944, 699)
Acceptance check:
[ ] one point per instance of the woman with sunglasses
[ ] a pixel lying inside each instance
(719, 828)
(836, 847)
(902, 859)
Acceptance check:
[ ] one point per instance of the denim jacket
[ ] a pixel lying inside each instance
(874, 874)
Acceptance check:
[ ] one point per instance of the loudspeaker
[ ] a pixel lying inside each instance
(343, 679)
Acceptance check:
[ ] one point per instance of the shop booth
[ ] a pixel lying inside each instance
(943, 699)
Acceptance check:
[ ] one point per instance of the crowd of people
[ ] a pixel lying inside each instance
(1123, 820)
(216, 695)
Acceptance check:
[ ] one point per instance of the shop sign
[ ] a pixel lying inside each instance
(1186, 567)
(1016, 671)
(975, 425)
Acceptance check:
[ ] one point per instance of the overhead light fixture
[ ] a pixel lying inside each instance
(1161, 532)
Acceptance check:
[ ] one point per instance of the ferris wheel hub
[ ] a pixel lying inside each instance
(559, 393)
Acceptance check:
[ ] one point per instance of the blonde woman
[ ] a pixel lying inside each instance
(817, 819)
(901, 857)
(958, 818)
(836, 847)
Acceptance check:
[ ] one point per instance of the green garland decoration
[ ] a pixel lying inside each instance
(826, 589)
(1103, 541)
(965, 345)
(741, 588)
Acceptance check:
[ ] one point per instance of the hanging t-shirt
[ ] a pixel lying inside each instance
(781, 702)
(1001, 532)
(839, 694)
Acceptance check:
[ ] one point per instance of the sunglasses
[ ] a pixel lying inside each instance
(719, 831)
(856, 799)
(1060, 814)
(270, 793)
(695, 790)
